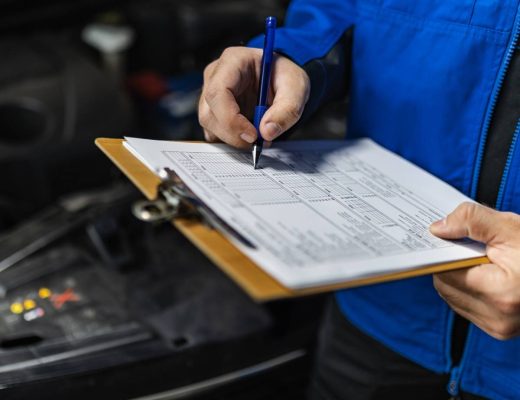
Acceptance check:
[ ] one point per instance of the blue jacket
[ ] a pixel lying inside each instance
(425, 75)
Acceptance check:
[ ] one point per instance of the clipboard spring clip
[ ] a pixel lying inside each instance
(174, 200)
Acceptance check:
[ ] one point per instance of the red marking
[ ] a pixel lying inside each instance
(149, 85)
(58, 300)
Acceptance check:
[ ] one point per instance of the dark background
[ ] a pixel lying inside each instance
(152, 313)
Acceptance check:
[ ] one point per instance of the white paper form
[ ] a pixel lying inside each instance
(319, 212)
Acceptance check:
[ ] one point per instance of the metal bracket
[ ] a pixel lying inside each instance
(173, 201)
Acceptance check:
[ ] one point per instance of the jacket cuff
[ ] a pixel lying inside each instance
(328, 74)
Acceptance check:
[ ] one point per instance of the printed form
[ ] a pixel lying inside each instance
(319, 212)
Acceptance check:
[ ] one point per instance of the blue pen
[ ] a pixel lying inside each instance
(265, 78)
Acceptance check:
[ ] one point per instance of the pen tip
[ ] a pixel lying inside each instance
(256, 156)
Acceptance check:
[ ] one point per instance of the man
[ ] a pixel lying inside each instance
(439, 83)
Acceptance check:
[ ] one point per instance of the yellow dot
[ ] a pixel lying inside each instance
(44, 293)
(16, 308)
(29, 304)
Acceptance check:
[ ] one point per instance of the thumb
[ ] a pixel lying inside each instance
(291, 87)
(468, 220)
(282, 115)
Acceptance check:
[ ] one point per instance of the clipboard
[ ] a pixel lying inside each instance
(206, 235)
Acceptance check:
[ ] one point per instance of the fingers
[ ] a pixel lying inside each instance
(224, 81)
(472, 280)
(497, 321)
(215, 131)
(232, 125)
(486, 295)
(291, 87)
(467, 306)
(210, 136)
(488, 282)
(453, 295)
(230, 90)
(469, 220)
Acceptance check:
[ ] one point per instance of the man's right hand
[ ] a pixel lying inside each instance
(230, 92)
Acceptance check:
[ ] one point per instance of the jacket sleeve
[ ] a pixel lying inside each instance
(316, 36)
(311, 28)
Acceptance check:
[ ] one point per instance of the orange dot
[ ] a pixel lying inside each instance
(44, 293)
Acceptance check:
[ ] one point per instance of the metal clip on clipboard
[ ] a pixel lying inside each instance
(176, 200)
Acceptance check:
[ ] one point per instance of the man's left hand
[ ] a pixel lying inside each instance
(487, 295)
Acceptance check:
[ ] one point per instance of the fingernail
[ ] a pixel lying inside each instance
(271, 130)
(439, 225)
(248, 137)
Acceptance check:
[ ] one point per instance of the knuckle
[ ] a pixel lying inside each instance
(239, 57)
(226, 52)
(211, 94)
(436, 282)
(511, 219)
(305, 81)
(508, 305)
(230, 51)
(209, 137)
(439, 290)
(306, 85)
(203, 118)
(504, 330)
(208, 71)
(494, 254)
(294, 111)
(473, 216)
(467, 210)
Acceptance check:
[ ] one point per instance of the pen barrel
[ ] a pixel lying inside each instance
(259, 113)
(267, 60)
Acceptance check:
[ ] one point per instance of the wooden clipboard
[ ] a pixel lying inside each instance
(253, 280)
